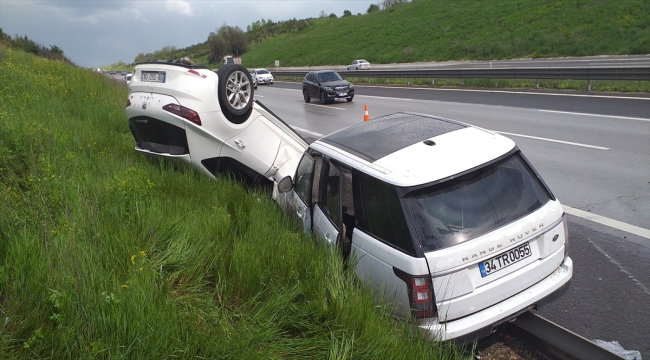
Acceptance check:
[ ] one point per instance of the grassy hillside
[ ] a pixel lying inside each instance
(105, 255)
(440, 30)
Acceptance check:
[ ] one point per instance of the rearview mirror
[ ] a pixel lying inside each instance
(285, 185)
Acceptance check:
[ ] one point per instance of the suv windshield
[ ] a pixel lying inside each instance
(329, 76)
(474, 204)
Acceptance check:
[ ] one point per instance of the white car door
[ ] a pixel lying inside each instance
(327, 211)
(305, 183)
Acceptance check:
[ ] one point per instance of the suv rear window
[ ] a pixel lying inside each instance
(476, 203)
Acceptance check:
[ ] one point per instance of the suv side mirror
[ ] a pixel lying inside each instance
(285, 185)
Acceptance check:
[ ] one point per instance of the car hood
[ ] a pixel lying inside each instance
(336, 83)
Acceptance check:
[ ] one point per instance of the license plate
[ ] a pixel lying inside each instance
(505, 259)
(343, 94)
(153, 76)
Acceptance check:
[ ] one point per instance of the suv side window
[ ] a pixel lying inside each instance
(378, 212)
(304, 176)
(331, 196)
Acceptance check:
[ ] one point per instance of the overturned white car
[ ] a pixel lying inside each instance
(450, 221)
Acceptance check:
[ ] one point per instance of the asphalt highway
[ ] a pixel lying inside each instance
(592, 149)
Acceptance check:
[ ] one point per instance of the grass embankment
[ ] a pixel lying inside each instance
(441, 30)
(106, 255)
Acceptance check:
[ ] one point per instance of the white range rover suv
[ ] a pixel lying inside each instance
(447, 221)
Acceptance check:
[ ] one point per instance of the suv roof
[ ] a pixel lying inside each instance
(393, 147)
(321, 71)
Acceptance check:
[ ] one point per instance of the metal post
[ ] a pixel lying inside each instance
(433, 82)
(536, 83)
(496, 83)
(408, 82)
(589, 85)
(462, 81)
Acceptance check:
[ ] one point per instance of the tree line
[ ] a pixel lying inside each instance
(27, 45)
(229, 40)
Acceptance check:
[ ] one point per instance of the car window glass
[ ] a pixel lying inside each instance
(328, 76)
(378, 211)
(303, 178)
(318, 166)
(474, 204)
(330, 200)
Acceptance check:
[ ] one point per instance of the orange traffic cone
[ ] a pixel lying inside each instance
(366, 117)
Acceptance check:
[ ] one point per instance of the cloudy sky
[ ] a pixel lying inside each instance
(93, 33)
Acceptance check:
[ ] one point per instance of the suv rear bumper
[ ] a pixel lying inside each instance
(482, 323)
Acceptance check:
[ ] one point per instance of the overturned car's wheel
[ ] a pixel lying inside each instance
(235, 92)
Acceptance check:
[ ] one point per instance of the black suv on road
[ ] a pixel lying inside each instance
(326, 85)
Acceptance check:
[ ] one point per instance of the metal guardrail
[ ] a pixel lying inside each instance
(591, 73)
(565, 340)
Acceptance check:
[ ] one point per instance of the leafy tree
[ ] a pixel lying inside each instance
(227, 40)
(140, 58)
(347, 13)
(57, 50)
(372, 8)
(332, 16)
(25, 44)
(390, 3)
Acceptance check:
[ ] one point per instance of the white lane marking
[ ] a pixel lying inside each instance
(325, 106)
(630, 276)
(552, 140)
(487, 91)
(639, 231)
(307, 131)
(597, 115)
(506, 92)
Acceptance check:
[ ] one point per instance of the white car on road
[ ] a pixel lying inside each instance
(264, 76)
(359, 65)
(449, 222)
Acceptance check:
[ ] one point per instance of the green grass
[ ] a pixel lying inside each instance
(105, 255)
(441, 30)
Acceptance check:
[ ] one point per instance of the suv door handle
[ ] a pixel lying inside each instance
(240, 144)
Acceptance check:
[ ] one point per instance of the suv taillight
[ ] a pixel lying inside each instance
(183, 112)
(566, 235)
(420, 290)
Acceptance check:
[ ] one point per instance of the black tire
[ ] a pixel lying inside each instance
(235, 92)
(350, 98)
(305, 96)
(323, 98)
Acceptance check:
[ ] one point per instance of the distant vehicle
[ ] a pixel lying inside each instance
(264, 76)
(359, 65)
(326, 85)
(231, 60)
(255, 81)
(123, 73)
(112, 72)
(127, 78)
